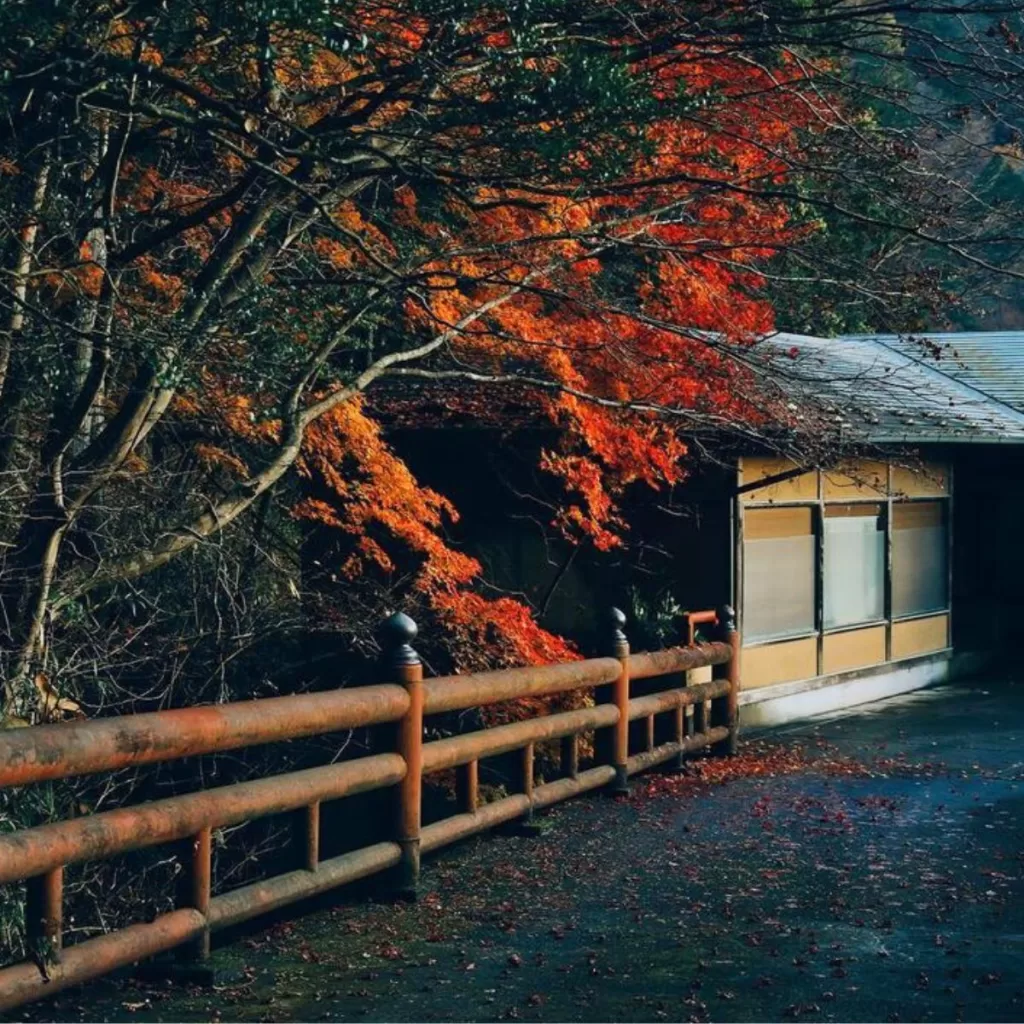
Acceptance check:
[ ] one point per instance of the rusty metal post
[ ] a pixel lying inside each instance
(44, 917)
(406, 668)
(570, 756)
(467, 786)
(526, 777)
(312, 836)
(725, 710)
(619, 648)
(680, 735)
(195, 892)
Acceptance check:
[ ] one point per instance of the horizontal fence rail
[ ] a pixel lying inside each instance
(109, 833)
(456, 693)
(702, 715)
(503, 739)
(679, 659)
(85, 748)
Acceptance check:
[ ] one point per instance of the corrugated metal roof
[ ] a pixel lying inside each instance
(990, 361)
(873, 391)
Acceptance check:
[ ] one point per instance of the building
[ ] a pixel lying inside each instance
(854, 578)
(861, 580)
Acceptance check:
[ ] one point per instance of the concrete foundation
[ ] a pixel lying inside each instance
(789, 702)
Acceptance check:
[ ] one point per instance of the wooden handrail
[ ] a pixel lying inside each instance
(678, 659)
(83, 748)
(43, 753)
(106, 834)
(456, 693)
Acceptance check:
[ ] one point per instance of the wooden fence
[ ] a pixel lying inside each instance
(39, 855)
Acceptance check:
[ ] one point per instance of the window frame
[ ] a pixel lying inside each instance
(795, 634)
(946, 504)
(817, 507)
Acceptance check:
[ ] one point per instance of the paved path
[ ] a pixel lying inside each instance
(864, 868)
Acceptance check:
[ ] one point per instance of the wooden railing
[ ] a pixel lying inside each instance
(39, 855)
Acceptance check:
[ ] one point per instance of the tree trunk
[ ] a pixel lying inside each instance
(24, 597)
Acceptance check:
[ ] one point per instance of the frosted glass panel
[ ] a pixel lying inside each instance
(920, 577)
(854, 570)
(778, 587)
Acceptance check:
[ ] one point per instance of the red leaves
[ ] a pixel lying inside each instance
(608, 294)
(768, 760)
(380, 503)
(755, 761)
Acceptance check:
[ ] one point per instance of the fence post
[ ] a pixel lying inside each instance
(700, 717)
(727, 712)
(679, 722)
(526, 777)
(406, 668)
(306, 836)
(44, 917)
(312, 846)
(467, 786)
(194, 891)
(522, 779)
(619, 648)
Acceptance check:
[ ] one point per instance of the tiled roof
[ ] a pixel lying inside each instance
(873, 391)
(989, 361)
(868, 389)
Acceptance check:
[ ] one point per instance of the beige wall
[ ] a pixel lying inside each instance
(800, 488)
(855, 648)
(850, 481)
(919, 636)
(791, 660)
(760, 523)
(930, 481)
(858, 479)
(779, 663)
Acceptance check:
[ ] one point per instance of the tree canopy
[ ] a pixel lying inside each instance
(227, 223)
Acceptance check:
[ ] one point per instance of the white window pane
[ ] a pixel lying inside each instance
(919, 570)
(778, 587)
(854, 570)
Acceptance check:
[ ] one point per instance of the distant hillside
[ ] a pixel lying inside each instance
(915, 89)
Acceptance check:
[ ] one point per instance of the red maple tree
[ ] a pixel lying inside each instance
(228, 223)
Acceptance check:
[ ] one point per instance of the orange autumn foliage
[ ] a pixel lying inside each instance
(378, 502)
(510, 250)
(317, 189)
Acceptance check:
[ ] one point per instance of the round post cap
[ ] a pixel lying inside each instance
(727, 618)
(397, 634)
(617, 620)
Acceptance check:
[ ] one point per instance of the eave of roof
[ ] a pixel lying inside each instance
(857, 389)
